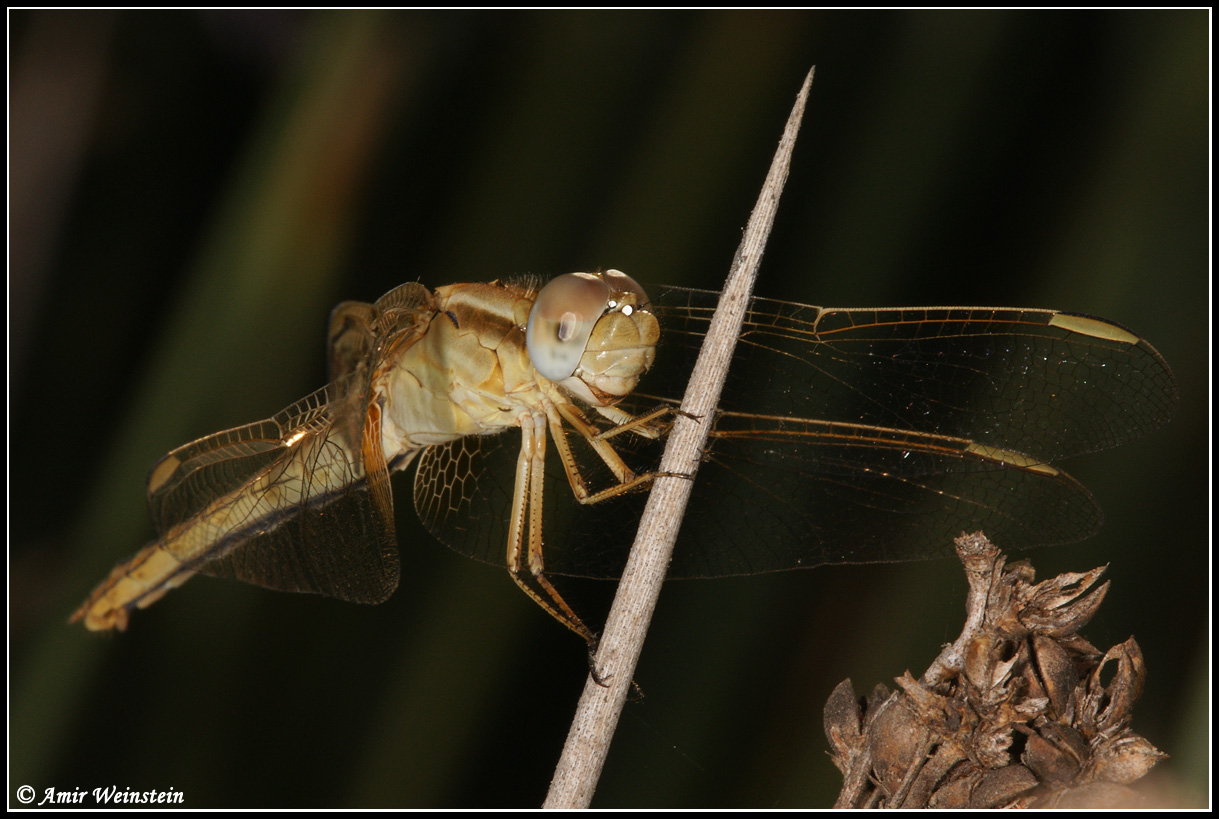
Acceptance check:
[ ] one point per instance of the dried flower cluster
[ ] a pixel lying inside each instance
(1020, 711)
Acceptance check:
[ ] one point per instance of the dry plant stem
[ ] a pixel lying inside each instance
(597, 714)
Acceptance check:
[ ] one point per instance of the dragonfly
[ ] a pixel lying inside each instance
(843, 436)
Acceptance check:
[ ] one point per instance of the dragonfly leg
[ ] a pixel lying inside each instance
(525, 560)
(627, 479)
(623, 421)
(525, 556)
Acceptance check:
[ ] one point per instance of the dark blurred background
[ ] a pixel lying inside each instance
(190, 192)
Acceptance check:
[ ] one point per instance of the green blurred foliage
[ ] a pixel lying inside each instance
(191, 191)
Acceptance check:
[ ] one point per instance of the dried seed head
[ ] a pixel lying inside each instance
(1016, 712)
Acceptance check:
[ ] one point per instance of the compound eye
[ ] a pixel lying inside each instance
(562, 320)
(619, 282)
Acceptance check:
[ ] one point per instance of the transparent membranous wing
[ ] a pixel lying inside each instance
(843, 436)
(295, 498)
(300, 501)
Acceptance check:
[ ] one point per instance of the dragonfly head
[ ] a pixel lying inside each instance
(592, 334)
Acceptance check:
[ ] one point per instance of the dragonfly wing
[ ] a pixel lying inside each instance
(300, 501)
(1047, 384)
(776, 493)
(360, 336)
(285, 503)
(772, 494)
(463, 494)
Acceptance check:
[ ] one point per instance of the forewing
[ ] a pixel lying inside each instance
(360, 338)
(1040, 382)
(851, 436)
(323, 519)
(300, 501)
(284, 503)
